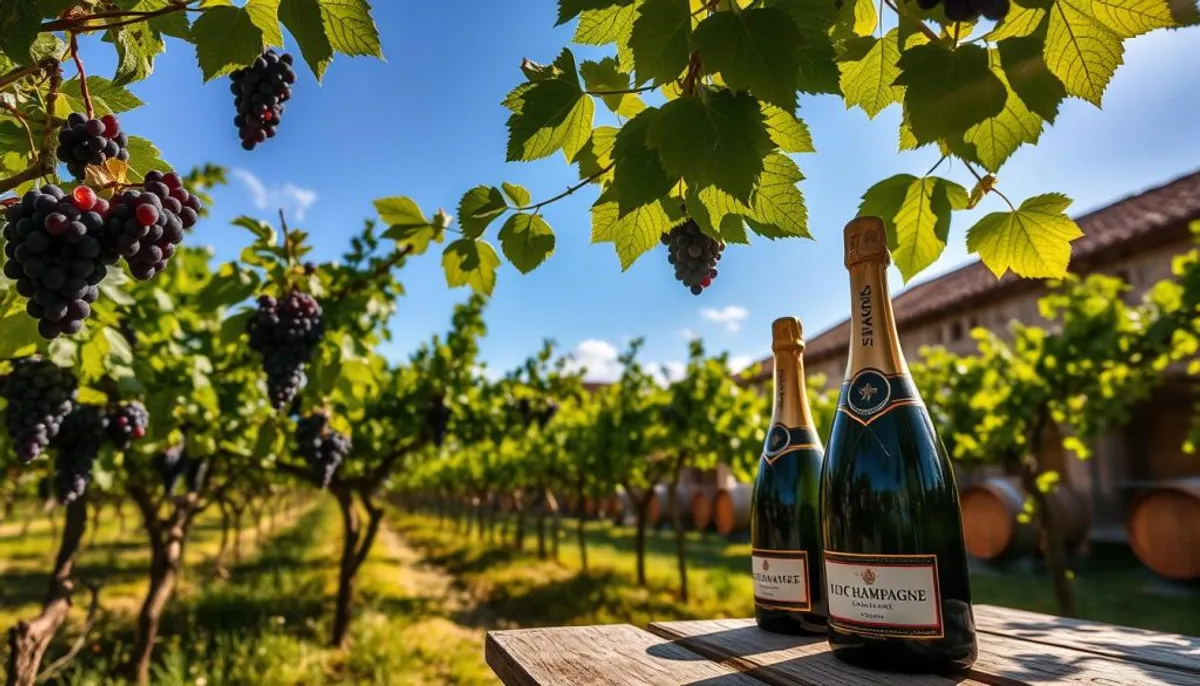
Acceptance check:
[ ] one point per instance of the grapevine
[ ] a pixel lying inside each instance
(286, 332)
(126, 423)
(694, 254)
(259, 93)
(437, 418)
(77, 445)
(56, 253)
(321, 446)
(40, 395)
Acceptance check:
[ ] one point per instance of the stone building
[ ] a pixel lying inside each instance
(1134, 238)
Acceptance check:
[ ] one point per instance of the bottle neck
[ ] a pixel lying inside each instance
(873, 339)
(791, 397)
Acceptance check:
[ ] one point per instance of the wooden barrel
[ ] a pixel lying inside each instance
(702, 507)
(620, 507)
(656, 511)
(1164, 529)
(590, 507)
(990, 508)
(731, 509)
(658, 514)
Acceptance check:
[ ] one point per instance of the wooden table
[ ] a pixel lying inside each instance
(1015, 648)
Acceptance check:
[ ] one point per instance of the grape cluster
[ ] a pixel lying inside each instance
(40, 395)
(322, 447)
(260, 90)
(285, 332)
(969, 10)
(127, 422)
(694, 254)
(437, 418)
(77, 445)
(170, 465)
(144, 226)
(83, 141)
(56, 254)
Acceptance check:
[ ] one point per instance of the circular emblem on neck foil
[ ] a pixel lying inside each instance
(869, 392)
(778, 438)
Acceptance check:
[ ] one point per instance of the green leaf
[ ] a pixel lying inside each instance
(234, 327)
(608, 22)
(754, 50)
(1130, 18)
(265, 15)
(638, 174)
(119, 352)
(527, 240)
(18, 333)
(869, 70)
(137, 46)
(1080, 50)
(922, 222)
(350, 28)
(106, 96)
(471, 263)
(551, 114)
(719, 141)
(1018, 23)
(861, 15)
(633, 233)
(996, 138)
(1026, 73)
(261, 230)
(596, 155)
(519, 195)
(777, 208)
(143, 158)
(226, 39)
(948, 91)
(660, 40)
(303, 20)
(817, 70)
(20, 22)
(174, 24)
(478, 207)
(606, 75)
(401, 211)
(884, 199)
(714, 211)
(1033, 241)
(788, 131)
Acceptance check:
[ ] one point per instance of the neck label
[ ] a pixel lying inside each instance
(870, 394)
(783, 440)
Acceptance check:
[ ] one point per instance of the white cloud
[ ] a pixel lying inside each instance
(292, 198)
(666, 372)
(730, 316)
(597, 358)
(739, 362)
(689, 334)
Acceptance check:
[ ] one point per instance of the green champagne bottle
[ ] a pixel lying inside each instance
(785, 524)
(895, 562)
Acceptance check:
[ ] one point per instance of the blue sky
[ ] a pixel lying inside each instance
(427, 123)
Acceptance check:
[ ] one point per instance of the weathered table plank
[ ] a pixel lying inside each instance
(1124, 643)
(1004, 660)
(615, 654)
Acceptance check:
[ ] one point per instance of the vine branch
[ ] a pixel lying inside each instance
(933, 37)
(569, 191)
(626, 91)
(79, 23)
(83, 87)
(21, 72)
(383, 268)
(44, 164)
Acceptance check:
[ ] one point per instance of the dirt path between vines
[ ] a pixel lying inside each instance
(419, 578)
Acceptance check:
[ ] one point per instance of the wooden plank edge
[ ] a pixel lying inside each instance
(509, 671)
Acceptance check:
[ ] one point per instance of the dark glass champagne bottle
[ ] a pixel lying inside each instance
(895, 562)
(785, 525)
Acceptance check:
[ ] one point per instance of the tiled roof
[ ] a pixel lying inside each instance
(1154, 217)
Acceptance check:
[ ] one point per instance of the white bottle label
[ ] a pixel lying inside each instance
(781, 579)
(893, 596)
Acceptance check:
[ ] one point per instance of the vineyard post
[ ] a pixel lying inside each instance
(581, 520)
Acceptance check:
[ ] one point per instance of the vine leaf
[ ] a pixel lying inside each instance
(1027, 76)
(478, 207)
(787, 130)
(143, 158)
(550, 114)
(948, 91)
(996, 138)
(660, 40)
(612, 23)
(869, 70)
(137, 45)
(1033, 241)
(719, 141)
(106, 96)
(569, 9)
(527, 240)
(1131, 18)
(226, 39)
(1080, 50)
(753, 50)
(777, 209)
(606, 75)
(596, 155)
(519, 195)
(817, 70)
(303, 20)
(21, 21)
(639, 176)
(407, 225)
(1019, 22)
(265, 15)
(471, 263)
(174, 24)
(916, 211)
(632, 233)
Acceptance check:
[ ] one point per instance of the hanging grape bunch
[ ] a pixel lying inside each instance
(321, 446)
(437, 418)
(77, 445)
(55, 250)
(83, 141)
(260, 91)
(144, 226)
(40, 394)
(694, 254)
(969, 10)
(127, 423)
(286, 332)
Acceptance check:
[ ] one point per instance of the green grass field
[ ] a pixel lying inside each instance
(428, 594)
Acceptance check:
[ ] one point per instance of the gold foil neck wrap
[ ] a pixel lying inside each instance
(866, 241)
(787, 332)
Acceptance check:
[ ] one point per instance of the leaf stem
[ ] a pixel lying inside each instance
(33, 148)
(627, 91)
(79, 23)
(992, 189)
(569, 191)
(21, 72)
(83, 87)
(933, 37)
(936, 165)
